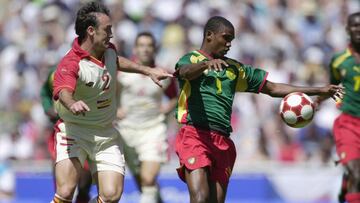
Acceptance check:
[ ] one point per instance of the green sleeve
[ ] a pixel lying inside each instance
(250, 79)
(46, 92)
(334, 73)
(185, 60)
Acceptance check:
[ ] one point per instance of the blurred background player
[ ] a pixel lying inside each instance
(208, 81)
(142, 113)
(85, 93)
(46, 94)
(345, 70)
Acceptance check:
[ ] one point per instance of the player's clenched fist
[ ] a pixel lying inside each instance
(79, 107)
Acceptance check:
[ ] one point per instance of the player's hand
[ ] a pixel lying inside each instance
(120, 113)
(79, 107)
(158, 74)
(216, 64)
(334, 91)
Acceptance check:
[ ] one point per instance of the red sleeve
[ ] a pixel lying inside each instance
(66, 75)
(172, 90)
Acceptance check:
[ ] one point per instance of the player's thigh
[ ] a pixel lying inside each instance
(198, 182)
(67, 172)
(218, 191)
(353, 166)
(109, 183)
(149, 171)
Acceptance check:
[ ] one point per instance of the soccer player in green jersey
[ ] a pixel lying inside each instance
(208, 82)
(345, 69)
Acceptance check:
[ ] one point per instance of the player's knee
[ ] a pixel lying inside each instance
(111, 194)
(147, 180)
(66, 191)
(200, 197)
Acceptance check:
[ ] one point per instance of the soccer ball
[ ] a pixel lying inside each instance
(297, 109)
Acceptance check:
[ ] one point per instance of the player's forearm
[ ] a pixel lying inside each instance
(66, 98)
(129, 66)
(281, 90)
(192, 71)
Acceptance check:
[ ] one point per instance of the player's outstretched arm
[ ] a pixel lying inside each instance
(156, 74)
(281, 90)
(192, 71)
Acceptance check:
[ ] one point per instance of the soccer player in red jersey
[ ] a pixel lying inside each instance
(208, 81)
(85, 179)
(85, 99)
(345, 69)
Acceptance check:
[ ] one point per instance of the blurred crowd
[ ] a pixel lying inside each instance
(292, 39)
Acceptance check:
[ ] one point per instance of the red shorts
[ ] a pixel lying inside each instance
(197, 148)
(347, 137)
(51, 145)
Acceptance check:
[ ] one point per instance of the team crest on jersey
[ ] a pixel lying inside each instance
(191, 160)
(342, 155)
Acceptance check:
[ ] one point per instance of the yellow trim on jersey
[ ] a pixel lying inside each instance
(241, 84)
(184, 95)
(197, 59)
(337, 63)
(51, 79)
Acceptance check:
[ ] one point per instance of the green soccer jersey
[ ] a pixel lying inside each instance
(46, 91)
(346, 70)
(206, 101)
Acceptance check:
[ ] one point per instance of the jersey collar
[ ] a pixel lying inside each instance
(78, 50)
(205, 54)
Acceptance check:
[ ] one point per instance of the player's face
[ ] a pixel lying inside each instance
(353, 29)
(145, 49)
(103, 33)
(222, 42)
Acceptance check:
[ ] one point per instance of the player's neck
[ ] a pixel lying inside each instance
(206, 52)
(89, 47)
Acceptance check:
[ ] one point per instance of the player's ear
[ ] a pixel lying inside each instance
(209, 35)
(90, 30)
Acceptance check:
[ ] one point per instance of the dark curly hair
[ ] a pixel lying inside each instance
(86, 17)
(216, 23)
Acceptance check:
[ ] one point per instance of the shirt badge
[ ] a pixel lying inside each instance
(191, 160)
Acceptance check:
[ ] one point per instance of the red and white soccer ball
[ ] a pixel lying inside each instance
(297, 109)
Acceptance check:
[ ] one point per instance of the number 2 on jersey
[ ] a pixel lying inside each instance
(106, 78)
